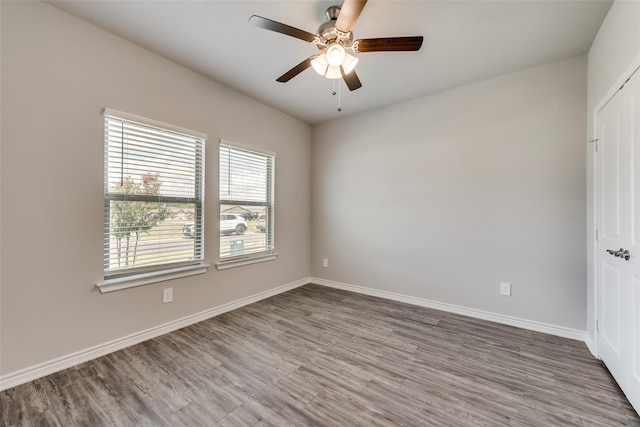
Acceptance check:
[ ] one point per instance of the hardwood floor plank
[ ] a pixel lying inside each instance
(157, 388)
(317, 356)
(25, 404)
(575, 410)
(114, 392)
(192, 415)
(72, 405)
(331, 409)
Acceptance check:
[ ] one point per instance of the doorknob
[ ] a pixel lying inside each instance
(621, 253)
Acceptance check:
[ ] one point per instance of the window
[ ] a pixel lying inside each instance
(153, 198)
(246, 205)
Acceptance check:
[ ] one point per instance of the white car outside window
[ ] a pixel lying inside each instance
(232, 223)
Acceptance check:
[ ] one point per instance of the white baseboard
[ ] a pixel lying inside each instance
(471, 312)
(46, 368)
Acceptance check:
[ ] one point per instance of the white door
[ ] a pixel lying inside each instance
(619, 237)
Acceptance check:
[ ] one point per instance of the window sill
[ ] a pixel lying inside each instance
(110, 285)
(239, 262)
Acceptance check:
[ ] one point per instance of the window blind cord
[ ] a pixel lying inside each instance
(229, 172)
(122, 155)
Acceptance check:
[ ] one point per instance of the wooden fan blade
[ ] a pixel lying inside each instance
(388, 44)
(296, 70)
(351, 79)
(278, 27)
(349, 13)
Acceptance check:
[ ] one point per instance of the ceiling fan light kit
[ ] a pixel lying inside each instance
(333, 38)
(328, 64)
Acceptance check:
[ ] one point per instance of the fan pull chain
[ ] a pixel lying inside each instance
(333, 92)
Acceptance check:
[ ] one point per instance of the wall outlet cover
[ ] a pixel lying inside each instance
(167, 295)
(505, 289)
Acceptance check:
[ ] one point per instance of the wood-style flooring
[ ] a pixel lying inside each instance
(316, 356)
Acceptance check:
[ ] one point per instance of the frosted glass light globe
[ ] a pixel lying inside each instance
(335, 54)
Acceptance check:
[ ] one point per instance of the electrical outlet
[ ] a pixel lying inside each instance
(167, 295)
(505, 289)
(325, 262)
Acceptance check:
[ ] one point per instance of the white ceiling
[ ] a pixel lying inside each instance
(464, 42)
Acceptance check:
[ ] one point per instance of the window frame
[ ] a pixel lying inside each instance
(115, 279)
(269, 253)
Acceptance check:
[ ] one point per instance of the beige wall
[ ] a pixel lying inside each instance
(614, 49)
(57, 74)
(445, 196)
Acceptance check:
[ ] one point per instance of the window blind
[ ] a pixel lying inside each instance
(154, 187)
(246, 189)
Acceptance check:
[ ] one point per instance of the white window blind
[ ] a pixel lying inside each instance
(246, 193)
(153, 195)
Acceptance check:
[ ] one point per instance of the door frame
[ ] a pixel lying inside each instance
(632, 68)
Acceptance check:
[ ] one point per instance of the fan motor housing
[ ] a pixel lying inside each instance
(326, 31)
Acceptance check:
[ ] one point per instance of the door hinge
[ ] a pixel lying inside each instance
(596, 234)
(597, 325)
(595, 143)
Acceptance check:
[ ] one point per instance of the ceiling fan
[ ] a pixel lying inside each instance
(333, 38)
